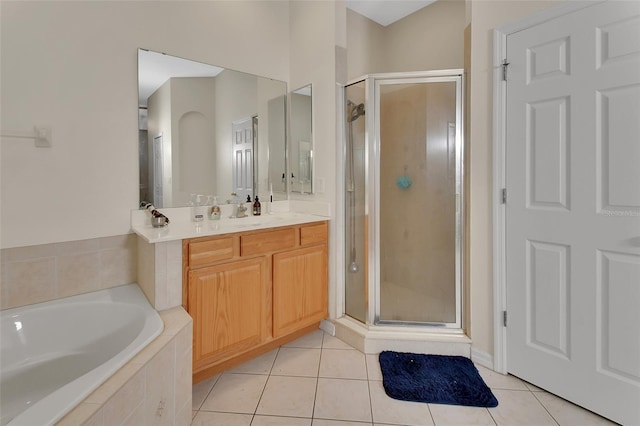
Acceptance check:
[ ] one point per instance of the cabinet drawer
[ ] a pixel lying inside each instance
(206, 252)
(313, 234)
(266, 242)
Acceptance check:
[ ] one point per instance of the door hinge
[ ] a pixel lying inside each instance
(504, 318)
(505, 64)
(504, 195)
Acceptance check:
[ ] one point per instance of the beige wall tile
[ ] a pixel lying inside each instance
(136, 418)
(184, 414)
(31, 252)
(79, 246)
(175, 319)
(3, 281)
(184, 339)
(45, 272)
(145, 355)
(81, 414)
(118, 266)
(78, 273)
(122, 405)
(159, 403)
(31, 281)
(114, 383)
(183, 382)
(117, 241)
(96, 420)
(146, 271)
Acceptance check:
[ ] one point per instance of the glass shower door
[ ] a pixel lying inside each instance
(356, 285)
(418, 127)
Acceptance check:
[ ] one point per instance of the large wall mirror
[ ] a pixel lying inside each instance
(207, 130)
(301, 146)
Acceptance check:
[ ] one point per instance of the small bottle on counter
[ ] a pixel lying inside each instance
(249, 209)
(257, 207)
(215, 210)
(197, 208)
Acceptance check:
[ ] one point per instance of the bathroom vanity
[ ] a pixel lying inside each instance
(250, 284)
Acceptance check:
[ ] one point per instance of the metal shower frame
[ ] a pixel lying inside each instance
(372, 198)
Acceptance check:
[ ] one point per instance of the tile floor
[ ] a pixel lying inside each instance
(319, 380)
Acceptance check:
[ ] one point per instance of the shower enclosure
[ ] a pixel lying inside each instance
(403, 207)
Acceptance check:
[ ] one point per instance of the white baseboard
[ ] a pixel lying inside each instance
(483, 358)
(328, 327)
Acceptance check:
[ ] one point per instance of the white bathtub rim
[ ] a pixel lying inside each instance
(56, 405)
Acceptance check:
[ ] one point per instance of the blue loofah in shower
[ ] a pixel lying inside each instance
(403, 182)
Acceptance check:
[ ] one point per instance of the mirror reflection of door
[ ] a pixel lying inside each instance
(158, 196)
(304, 164)
(301, 150)
(242, 166)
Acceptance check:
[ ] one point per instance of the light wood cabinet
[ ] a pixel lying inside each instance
(250, 292)
(228, 304)
(299, 288)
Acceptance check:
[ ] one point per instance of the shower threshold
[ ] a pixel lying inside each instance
(404, 337)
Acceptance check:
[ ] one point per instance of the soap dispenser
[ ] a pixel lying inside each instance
(256, 207)
(250, 210)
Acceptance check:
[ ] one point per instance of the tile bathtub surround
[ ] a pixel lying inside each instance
(160, 272)
(346, 389)
(45, 272)
(153, 388)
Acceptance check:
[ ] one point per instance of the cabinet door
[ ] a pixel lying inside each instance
(228, 304)
(299, 288)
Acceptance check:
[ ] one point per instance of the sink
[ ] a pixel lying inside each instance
(253, 220)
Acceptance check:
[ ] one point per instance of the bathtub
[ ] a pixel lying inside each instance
(54, 354)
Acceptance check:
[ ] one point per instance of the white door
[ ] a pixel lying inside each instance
(243, 158)
(573, 208)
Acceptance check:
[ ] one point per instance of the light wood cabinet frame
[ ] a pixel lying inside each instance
(281, 289)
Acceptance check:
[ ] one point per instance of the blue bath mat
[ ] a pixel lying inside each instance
(436, 379)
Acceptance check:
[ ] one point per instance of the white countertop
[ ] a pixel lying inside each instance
(181, 227)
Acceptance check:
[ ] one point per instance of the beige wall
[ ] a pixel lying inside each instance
(485, 16)
(365, 41)
(73, 65)
(429, 39)
(317, 36)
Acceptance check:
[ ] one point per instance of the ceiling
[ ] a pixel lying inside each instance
(386, 12)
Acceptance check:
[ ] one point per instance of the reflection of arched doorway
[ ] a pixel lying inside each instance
(244, 134)
(195, 155)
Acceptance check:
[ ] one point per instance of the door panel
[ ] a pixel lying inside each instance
(299, 288)
(573, 208)
(243, 158)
